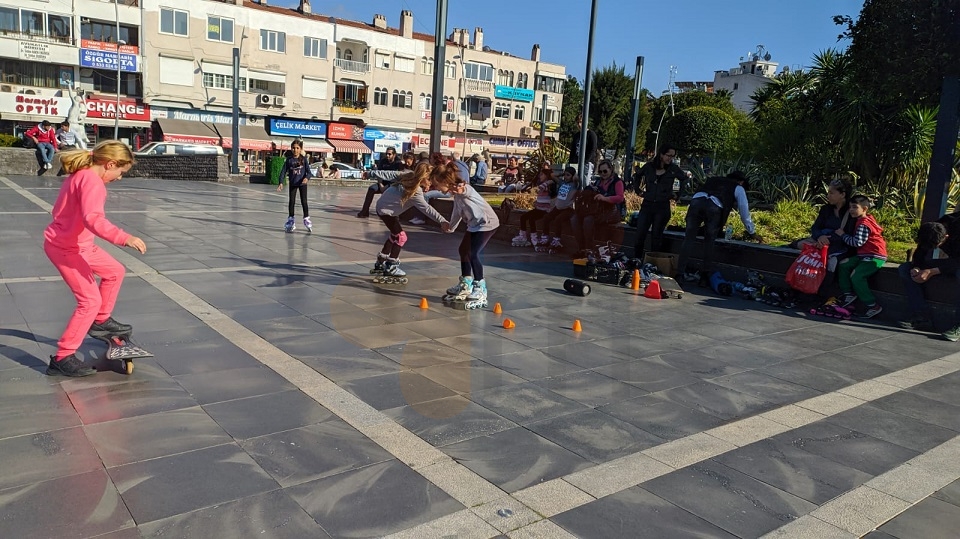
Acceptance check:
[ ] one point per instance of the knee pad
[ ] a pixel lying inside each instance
(399, 239)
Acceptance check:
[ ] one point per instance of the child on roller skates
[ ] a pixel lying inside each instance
(405, 193)
(68, 242)
(296, 170)
(853, 272)
(561, 212)
(482, 223)
(546, 191)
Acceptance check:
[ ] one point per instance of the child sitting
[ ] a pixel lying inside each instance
(853, 272)
(546, 192)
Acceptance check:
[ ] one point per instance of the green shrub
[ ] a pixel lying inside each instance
(7, 141)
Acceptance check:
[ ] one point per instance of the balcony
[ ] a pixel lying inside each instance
(41, 38)
(351, 105)
(352, 66)
(473, 85)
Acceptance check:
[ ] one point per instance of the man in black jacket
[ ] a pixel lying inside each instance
(709, 208)
(388, 163)
(934, 240)
(590, 154)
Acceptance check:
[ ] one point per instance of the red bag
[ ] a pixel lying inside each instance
(808, 270)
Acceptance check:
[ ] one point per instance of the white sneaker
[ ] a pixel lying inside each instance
(47, 166)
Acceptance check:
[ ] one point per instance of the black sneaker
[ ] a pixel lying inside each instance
(363, 214)
(108, 328)
(68, 366)
(917, 324)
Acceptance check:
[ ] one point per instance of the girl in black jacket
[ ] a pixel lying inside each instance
(654, 182)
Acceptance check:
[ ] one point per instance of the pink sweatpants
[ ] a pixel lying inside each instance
(94, 304)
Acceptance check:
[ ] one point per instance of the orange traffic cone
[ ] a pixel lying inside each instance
(576, 326)
(653, 290)
(508, 324)
(497, 309)
(635, 284)
(424, 304)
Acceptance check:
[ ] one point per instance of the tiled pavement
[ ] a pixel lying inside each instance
(291, 397)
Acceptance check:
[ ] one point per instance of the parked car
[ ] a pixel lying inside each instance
(346, 171)
(178, 148)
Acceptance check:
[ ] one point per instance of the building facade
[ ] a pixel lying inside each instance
(753, 73)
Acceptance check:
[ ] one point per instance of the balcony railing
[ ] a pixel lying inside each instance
(473, 85)
(352, 66)
(350, 104)
(26, 36)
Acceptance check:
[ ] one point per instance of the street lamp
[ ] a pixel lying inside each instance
(116, 117)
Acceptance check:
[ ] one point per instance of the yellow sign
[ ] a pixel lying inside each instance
(552, 128)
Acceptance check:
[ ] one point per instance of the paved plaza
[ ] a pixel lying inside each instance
(290, 397)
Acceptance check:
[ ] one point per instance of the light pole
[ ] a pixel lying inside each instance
(439, 54)
(587, 85)
(116, 116)
(631, 145)
(656, 142)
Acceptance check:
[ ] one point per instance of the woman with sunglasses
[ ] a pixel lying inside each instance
(654, 182)
(608, 192)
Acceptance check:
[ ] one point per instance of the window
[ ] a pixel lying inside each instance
(553, 115)
(352, 92)
(549, 84)
(314, 47)
(503, 78)
(401, 63)
(510, 79)
(9, 20)
(262, 86)
(271, 40)
(106, 82)
(380, 96)
(426, 103)
(521, 80)
(39, 74)
(220, 29)
(501, 110)
(314, 88)
(397, 99)
(173, 21)
(223, 82)
(426, 66)
(176, 71)
(381, 60)
(347, 54)
(478, 72)
(60, 27)
(107, 32)
(518, 113)
(736, 86)
(408, 100)
(402, 100)
(31, 22)
(450, 70)
(475, 106)
(448, 104)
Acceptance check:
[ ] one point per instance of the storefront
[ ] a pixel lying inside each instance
(348, 146)
(283, 131)
(380, 139)
(502, 148)
(134, 116)
(420, 142)
(20, 112)
(255, 146)
(206, 127)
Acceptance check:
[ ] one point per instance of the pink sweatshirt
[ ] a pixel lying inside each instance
(78, 214)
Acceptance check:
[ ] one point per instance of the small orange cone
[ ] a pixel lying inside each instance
(497, 309)
(424, 304)
(635, 284)
(508, 324)
(653, 290)
(576, 326)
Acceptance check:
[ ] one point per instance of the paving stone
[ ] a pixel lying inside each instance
(847, 447)
(266, 414)
(594, 435)
(525, 403)
(449, 420)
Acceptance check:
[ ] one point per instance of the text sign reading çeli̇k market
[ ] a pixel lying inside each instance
(107, 60)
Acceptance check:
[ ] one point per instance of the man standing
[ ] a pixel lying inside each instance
(45, 140)
(480, 176)
(464, 169)
(388, 162)
(709, 207)
(589, 155)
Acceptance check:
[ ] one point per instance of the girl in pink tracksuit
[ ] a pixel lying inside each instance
(68, 242)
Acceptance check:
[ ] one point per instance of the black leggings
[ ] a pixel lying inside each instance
(655, 215)
(531, 217)
(374, 189)
(556, 217)
(302, 188)
(470, 247)
(390, 248)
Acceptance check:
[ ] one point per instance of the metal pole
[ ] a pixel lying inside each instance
(944, 146)
(235, 136)
(439, 55)
(543, 119)
(116, 119)
(587, 85)
(632, 141)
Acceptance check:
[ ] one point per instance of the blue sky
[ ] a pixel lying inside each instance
(697, 36)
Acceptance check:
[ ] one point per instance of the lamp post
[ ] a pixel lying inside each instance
(116, 116)
(587, 86)
(631, 145)
(439, 54)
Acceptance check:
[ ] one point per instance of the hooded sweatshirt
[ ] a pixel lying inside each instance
(78, 214)
(472, 208)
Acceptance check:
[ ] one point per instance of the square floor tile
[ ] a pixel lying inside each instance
(594, 435)
(650, 374)
(848, 447)
(220, 386)
(481, 345)
(716, 400)
(266, 414)
(391, 496)
(413, 355)
(930, 519)
(398, 389)
(591, 389)
(346, 366)
(135, 398)
(532, 365)
(893, 427)
(800, 373)
(525, 403)
(466, 377)
(449, 420)
(588, 355)
(768, 388)
(45, 455)
(662, 418)
(515, 459)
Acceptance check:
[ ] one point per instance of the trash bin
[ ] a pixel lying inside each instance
(274, 166)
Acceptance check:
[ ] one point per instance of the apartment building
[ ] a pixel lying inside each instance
(754, 72)
(59, 60)
(347, 88)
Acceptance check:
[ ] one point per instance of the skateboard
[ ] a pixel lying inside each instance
(670, 288)
(121, 348)
(463, 304)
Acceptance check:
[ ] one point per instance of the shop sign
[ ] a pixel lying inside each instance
(297, 128)
(98, 59)
(32, 50)
(130, 109)
(37, 105)
(344, 131)
(202, 116)
(377, 134)
(424, 140)
(513, 94)
(514, 142)
(103, 46)
(550, 126)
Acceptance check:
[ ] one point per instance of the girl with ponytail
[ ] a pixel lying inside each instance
(78, 216)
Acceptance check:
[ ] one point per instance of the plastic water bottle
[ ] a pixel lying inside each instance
(728, 232)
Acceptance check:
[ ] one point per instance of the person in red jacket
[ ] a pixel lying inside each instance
(871, 254)
(45, 139)
(78, 217)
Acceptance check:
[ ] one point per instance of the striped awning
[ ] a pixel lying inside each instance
(350, 146)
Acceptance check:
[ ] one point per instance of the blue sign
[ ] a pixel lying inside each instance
(514, 94)
(108, 60)
(297, 128)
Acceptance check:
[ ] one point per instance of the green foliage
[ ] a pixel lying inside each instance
(660, 108)
(572, 107)
(610, 106)
(553, 153)
(700, 130)
(7, 141)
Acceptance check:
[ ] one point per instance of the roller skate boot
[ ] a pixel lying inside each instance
(378, 266)
(540, 243)
(290, 226)
(555, 246)
(392, 274)
(478, 295)
(521, 240)
(308, 225)
(459, 291)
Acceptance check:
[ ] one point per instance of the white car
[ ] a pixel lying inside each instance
(178, 148)
(346, 171)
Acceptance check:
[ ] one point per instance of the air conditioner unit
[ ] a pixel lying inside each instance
(264, 99)
(451, 117)
(526, 132)
(279, 101)
(496, 122)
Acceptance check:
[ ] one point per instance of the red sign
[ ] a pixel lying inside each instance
(112, 47)
(344, 131)
(41, 106)
(130, 109)
(424, 140)
(190, 139)
(249, 144)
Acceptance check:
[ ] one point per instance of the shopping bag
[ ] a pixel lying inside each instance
(665, 262)
(808, 270)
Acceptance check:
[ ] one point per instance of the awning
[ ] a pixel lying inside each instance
(350, 146)
(187, 131)
(309, 144)
(252, 137)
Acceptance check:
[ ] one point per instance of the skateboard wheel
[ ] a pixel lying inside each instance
(128, 367)
(576, 287)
